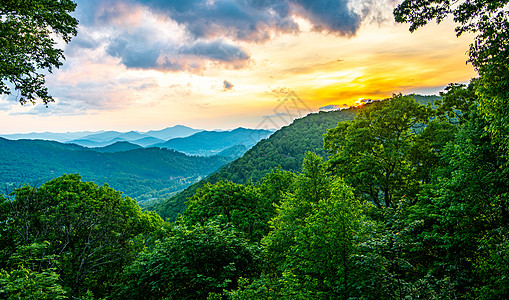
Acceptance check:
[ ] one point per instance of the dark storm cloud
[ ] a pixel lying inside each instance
(136, 52)
(331, 15)
(194, 57)
(251, 19)
(207, 25)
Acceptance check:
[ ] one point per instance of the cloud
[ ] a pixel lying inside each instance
(252, 20)
(227, 85)
(215, 50)
(8, 102)
(134, 50)
(176, 35)
(83, 41)
(200, 54)
(57, 109)
(330, 15)
(141, 39)
(236, 19)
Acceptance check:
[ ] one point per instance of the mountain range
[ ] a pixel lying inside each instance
(181, 138)
(157, 173)
(142, 173)
(105, 138)
(212, 142)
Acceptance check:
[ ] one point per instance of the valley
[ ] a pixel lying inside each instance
(154, 172)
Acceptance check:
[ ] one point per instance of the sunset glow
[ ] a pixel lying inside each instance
(138, 65)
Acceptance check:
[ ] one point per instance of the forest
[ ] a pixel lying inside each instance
(403, 201)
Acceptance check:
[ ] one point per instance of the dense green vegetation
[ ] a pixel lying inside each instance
(140, 173)
(69, 238)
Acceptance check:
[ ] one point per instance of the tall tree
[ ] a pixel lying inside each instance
(228, 202)
(372, 152)
(463, 215)
(28, 31)
(313, 237)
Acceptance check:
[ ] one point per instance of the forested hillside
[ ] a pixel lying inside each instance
(140, 173)
(286, 148)
(117, 147)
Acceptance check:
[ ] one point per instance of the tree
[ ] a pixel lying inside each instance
(427, 147)
(455, 102)
(190, 263)
(28, 44)
(26, 281)
(464, 214)
(228, 202)
(314, 237)
(275, 184)
(489, 53)
(90, 232)
(372, 152)
(465, 209)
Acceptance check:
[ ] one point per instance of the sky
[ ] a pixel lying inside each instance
(220, 64)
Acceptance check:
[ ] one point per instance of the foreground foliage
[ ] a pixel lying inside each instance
(77, 232)
(28, 44)
(191, 263)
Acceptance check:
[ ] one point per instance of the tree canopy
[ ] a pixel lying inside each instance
(373, 151)
(28, 31)
(82, 232)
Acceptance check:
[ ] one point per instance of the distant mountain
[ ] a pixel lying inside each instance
(88, 143)
(285, 147)
(49, 136)
(133, 135)
(172, 132)
(140, 173)
(147, 141)
(117, 147)
(213, 142)
(102, 137)
(105, 138)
